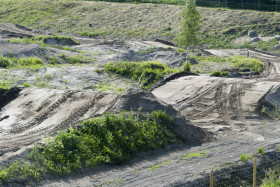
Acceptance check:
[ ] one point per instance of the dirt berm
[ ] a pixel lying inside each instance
(136, 99)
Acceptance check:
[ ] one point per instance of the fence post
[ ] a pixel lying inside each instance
(255, 173)
(211, 179)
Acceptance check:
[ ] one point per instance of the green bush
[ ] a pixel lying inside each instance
(219, 73)
(113, 138)
(149, 71)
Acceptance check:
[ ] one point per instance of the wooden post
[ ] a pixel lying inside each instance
(255, 173)
(211, 179)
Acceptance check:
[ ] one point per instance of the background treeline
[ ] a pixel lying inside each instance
(267, 5)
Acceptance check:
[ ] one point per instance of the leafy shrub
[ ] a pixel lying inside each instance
(113, 138)
(149, 71)
(22, 171)
(219, 73)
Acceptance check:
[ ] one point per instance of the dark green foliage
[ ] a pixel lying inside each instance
(149, 72)
(22, 171)
(110, 139)
(219, 73)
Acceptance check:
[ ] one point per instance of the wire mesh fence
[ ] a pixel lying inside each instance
(248, 173)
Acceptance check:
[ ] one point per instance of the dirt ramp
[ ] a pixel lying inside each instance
(10, 30)
(136, 99)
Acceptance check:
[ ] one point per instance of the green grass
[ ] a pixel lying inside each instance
(159, 165)
(26, 85)
(4, 84)
(261, 151)
(111, 139)
(147, 72)
(42, 40)
(193, 155)
(245, 157)
(241, 62)
(12, 62)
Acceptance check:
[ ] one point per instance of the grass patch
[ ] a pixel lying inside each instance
(219, 73)
(241, 62)
(159, 165)
(27, 85)
(193, 155)
(4, 84)
(43, 40)
(147, 72)
(245, 157)
(12, 62)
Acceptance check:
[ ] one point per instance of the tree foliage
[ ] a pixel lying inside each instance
(189, 25)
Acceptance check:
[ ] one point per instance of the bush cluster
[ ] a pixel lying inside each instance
(113, 138)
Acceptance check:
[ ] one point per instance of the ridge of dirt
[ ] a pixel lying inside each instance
(146, 102)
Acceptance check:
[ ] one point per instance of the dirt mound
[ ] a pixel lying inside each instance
(10, 30)
(166, 56)
(136, 99)
(63, 41)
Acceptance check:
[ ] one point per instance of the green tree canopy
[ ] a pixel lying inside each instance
(189, 25)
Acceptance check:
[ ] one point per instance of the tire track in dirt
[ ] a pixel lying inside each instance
(218, 104)
(222, 110)
(14, 142)
(40, 118)
(186, 102)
